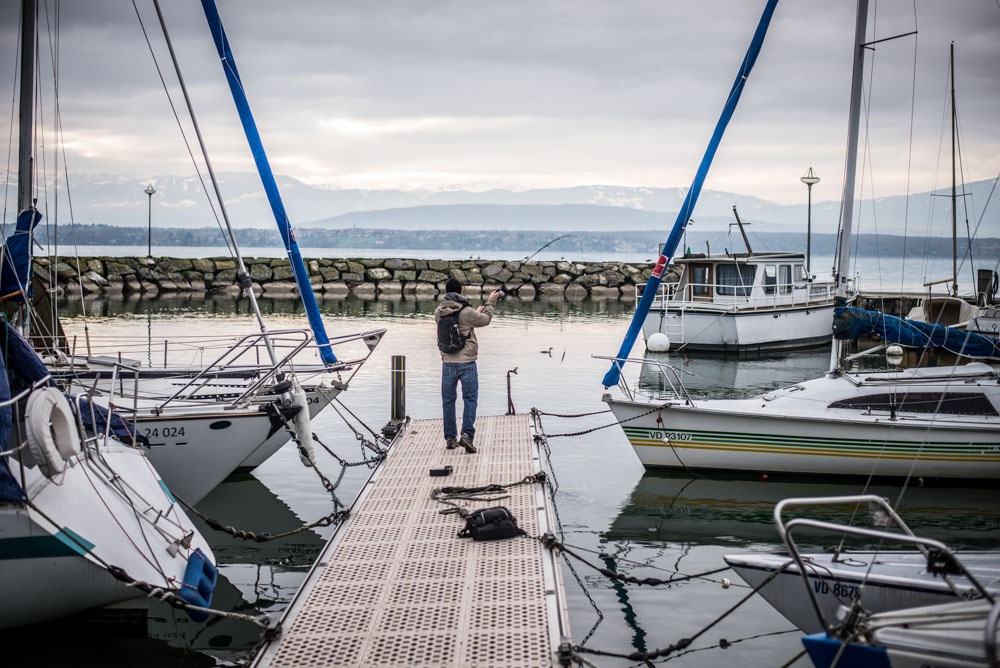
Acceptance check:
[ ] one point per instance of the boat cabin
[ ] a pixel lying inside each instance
(745, 279)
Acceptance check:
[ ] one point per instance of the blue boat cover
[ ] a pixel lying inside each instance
(267, 178)
(687, 209)
(10, 489)
(120, 429)
(850, 323)
(15, 266)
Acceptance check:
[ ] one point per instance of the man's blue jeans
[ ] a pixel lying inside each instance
(451, 376)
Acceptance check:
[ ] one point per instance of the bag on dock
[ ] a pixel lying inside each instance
(491, 524)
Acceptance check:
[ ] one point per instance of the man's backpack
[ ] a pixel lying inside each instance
(450, 337)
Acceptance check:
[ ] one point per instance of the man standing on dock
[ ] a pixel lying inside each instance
(459, 366)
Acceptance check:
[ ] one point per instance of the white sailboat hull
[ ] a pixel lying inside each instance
(836, 425)
(882, 581)
(195, 445)
(112, 509)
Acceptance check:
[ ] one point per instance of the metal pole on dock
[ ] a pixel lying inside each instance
(398, 409)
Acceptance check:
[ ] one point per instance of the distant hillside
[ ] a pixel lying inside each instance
(527, 241)
(179, 202)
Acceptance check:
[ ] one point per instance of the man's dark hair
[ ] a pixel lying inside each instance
(453, 285)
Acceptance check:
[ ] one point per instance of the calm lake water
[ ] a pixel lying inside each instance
(612, 512)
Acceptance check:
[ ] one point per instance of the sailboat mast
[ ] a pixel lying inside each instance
(26, 108)
(850, 170)
(954, 194)
(272, 354)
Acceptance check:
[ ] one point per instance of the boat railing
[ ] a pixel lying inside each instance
(672, 386)
(246, 354)
(941, 560)
(740, 297)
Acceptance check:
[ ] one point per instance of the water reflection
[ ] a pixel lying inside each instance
(738, 511)
(114, 306)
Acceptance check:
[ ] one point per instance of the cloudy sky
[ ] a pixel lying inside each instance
(402, 94)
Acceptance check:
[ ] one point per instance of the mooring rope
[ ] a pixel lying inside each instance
(537, 412)
(550, 541)
(448, 495)
(168, 596)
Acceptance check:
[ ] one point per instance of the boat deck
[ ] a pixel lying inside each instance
(396, 586)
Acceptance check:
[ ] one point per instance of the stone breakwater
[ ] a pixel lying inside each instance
(338, 278)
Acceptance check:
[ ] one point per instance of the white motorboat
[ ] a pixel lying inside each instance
(740, 303)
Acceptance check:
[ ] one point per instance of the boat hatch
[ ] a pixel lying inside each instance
(952, 403)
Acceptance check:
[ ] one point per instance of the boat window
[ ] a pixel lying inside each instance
(735, 279)
(701, 280)
(801, 275)
(770, 278)
(785, 278)
(952, 403)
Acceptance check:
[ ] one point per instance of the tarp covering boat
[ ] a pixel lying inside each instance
(10, 489)
(15, 267)
(851, 323)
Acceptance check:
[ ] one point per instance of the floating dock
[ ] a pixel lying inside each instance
(396, 586)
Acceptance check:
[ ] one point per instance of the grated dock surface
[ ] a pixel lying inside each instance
(396, 587)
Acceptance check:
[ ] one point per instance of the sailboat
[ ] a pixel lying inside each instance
(233, 413)
(85, 520)
(941, 422)
(951, 309)
(932, 606)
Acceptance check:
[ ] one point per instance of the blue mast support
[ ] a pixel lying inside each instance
(267, 178)
(687, 209)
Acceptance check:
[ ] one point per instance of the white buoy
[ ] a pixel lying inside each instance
(894, 354)
(658, 343)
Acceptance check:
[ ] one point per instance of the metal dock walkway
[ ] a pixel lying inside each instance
(395, 586)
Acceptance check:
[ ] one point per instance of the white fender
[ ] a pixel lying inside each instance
(303, 424)
(51, 429)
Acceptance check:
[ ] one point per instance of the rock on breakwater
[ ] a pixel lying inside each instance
(337, 278)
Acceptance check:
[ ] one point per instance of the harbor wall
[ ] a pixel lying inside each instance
(367, 278)
(338, 278)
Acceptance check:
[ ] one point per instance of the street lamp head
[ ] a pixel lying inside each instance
(810, 179)
(150, 190)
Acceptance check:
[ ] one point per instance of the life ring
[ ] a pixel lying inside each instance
(51, 429)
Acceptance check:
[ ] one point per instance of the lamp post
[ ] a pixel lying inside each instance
(810, 179)
(150, 190)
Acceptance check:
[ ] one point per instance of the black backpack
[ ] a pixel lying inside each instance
(491, 524)
(450, 337)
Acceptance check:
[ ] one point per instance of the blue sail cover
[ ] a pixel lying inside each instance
(15, 266)
(267, 178)
(687, 209)
(850, 323)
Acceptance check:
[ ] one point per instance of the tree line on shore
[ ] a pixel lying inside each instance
(528, 242)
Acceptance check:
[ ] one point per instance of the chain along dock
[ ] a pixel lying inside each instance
(397, 586)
